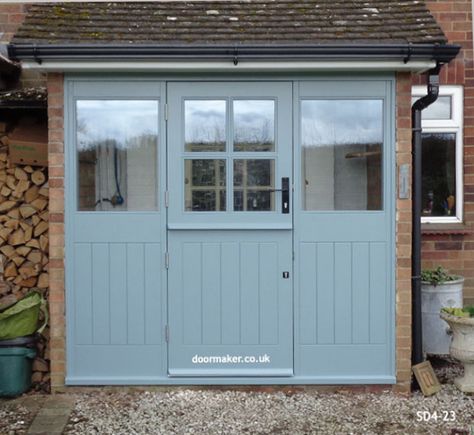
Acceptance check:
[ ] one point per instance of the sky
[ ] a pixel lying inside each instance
(120, 120)
(323, 123)
(341, 122)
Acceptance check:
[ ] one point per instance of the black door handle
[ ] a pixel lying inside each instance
(285, 194)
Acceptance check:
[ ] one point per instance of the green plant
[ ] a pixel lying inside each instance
(437, 276)
(460, 312)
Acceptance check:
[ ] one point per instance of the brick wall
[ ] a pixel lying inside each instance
(11, 16)
(403, 239)
(453, 247)
(56, 228)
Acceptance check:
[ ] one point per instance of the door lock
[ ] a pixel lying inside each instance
(285, 194)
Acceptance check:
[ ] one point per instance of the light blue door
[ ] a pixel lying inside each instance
(230, 229)
(344, 217)
(116, 237)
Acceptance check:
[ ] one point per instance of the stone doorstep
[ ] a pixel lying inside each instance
(53, 416)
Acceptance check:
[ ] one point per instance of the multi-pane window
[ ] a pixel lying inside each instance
(234, 149)
(442, 124)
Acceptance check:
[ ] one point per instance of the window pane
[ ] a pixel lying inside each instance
(253, 182)
(342, 154)
(205, 125)
(439, 174)
(205, 185)
(440, 109)
(254, 125)
(117, 145)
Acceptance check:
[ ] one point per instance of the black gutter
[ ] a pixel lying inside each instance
(418, 106)
(439, 52)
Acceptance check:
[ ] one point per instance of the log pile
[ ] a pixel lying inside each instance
(24, 240)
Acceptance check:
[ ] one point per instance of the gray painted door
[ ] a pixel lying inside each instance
(230, 229)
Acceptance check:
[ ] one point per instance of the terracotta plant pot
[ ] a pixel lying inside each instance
(462, 348)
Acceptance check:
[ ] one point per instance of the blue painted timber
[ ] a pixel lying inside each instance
(224, 295)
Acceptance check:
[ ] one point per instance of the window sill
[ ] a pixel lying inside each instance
(445, 228)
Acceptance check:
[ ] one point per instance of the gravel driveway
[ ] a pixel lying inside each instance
(236, 412)
(194, 411)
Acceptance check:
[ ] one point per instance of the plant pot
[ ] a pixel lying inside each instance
(462, 348)
(436, 334)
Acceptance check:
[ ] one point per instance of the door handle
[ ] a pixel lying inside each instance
(285, 194)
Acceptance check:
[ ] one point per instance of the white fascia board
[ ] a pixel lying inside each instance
(418, 66)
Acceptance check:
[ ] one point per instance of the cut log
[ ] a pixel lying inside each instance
(28, 233)
(43, 281)
(44, 191)
(27, 210)
(3, 156)
(33, 243)
(7, 205)
(8, 251)
(28, 270)
(11, 182)
(20, 174)
(38, 178)
(41, 228)
(5, 191)
(23, 250)
(44, 242)
(12, 223)
(10, 271)
(28, 169)
(29, 282)
(31, 194)
(14, 213)
(17, 238)
(35, 220)
(18, 260)
(45, 216)
(35, 256)
(39, 203)
(21, 188)
(5, 232)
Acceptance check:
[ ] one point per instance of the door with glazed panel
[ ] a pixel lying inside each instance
(230, 229)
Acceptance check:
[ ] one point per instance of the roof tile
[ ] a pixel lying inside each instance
(231, 21)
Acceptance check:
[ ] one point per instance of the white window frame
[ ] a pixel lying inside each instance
(452, 125)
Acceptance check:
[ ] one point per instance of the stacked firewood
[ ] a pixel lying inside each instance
(24, 239)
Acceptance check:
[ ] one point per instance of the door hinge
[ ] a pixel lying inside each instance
(167, 333)
(167, 260)
(166, 112)
(167, 199)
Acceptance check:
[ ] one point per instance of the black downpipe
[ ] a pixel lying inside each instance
(418, 106)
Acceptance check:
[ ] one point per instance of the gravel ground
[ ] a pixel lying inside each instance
(16, 415)
(185, 411)
(237, 412)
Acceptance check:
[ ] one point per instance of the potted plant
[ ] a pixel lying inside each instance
(461, 322)
(439, 289)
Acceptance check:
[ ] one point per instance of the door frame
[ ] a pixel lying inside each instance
(162, 80)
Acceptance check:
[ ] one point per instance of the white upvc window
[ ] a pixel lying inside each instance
(442, 156)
